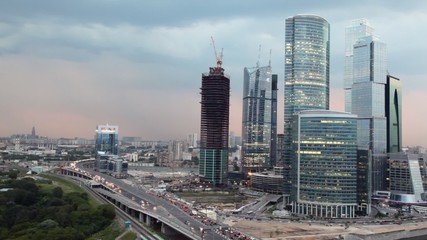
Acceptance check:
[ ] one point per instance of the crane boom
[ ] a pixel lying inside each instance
(218, 58)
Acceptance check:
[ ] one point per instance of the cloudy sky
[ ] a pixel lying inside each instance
(66, 66)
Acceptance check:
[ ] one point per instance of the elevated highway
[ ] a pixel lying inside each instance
(161, 214)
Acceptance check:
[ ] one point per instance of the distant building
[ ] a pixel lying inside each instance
(107, 150)
(192, 140)
(406, 183)
(176, 150)
(132, 141)
(112, 165)
(107, 139)
(324, 180)
(237, 141)
(307, 48)
(269, 182)
(132, 157)
(33, 132)
(232, 139)
(214, 126)
(259, 123)
(279, 148)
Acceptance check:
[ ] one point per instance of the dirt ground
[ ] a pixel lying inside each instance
(275, 230)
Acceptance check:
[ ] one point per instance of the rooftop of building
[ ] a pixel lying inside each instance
(326, 113)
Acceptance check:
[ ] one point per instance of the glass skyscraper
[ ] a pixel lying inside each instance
(106, 145)
(357, 29)
(306, 74)
(107, 139)
(393, 112)
(324, 169)
(365, 96)
(259, 119)
(214, 124)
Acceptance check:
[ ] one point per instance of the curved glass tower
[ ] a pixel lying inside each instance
(325, 155)
(306, 74)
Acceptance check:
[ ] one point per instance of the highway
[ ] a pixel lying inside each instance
(137, 226)
(165, 209)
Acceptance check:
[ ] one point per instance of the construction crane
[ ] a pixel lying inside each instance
(218, 58)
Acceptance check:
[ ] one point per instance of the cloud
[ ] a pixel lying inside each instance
(81, 63)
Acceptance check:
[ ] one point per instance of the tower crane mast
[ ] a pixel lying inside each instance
(218, 58)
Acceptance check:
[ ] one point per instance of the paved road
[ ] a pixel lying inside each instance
(119, 213)
(164, 208)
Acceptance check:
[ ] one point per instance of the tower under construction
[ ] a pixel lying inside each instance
(215, 104)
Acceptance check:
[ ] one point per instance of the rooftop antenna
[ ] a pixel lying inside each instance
(269, 60)
(218, 58)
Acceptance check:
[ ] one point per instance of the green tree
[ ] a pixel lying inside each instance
(107, 211)
(13, 175)
(57, 192)
(48, 223)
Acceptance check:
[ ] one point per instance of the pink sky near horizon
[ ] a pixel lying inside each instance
(152, 114)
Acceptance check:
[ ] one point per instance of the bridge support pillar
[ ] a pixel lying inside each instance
(168, 231)
(141, 217)
(148, 220)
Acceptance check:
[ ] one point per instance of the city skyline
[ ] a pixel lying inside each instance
(66, 67)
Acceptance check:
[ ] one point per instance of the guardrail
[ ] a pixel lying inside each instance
(183, 229)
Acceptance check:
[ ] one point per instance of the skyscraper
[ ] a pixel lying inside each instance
(306, 74)
(393, 113)
(273, 141)
(259, 119)
(107, 139)
(324, 173)
(357, 29)
(366, 97)
(192, 140)
(106, 146)
(215, 103)
(33, 132)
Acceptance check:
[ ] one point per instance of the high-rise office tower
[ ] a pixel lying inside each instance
(33, 132)
(357, 29)
(259, 119)
(393, 113)
(279, 148)
(367, 99)
(215, 105)
(232, 139)
(306, 75)
(192, 140)
(273, 141)
(324, 174)
(107, 139)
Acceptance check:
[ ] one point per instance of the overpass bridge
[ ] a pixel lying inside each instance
(161, 214)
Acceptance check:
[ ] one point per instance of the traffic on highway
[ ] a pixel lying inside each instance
(165, 206)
